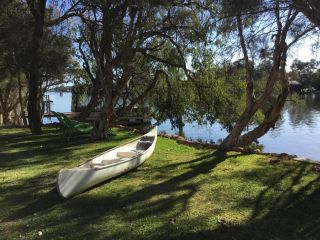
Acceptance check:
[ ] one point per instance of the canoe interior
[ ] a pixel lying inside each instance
(120, 154)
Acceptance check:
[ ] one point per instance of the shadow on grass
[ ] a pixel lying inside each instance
(44, 202)
(296, 218)
(286, 208)
(35, 148)
(291, 213)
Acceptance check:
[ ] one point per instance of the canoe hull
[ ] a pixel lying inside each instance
(76, 180)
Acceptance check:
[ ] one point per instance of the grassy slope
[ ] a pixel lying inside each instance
(179, 192)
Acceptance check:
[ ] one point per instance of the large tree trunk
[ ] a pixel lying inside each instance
(5, 117)
(234, 139)
(5, 104)
(92, 103)
(23, 116)
(180, 126)
(251, 106)
(34, 112)
(101, 126)
(106, 80)
(34, 79)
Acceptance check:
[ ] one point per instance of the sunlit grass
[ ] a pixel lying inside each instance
(180, 192)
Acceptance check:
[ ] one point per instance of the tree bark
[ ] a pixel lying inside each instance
(232, 139)
(37, 9)
(23, 116)
(4, 103)
(269, 122)
(105, 65)
(180, 126)
(92, 103)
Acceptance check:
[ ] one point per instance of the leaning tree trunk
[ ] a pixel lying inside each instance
(277, 74)
(34, 79)
(234, 139)
(269, 121)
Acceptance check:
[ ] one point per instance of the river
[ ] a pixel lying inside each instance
(297, 132)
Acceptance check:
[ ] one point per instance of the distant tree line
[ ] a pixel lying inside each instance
(306, 73)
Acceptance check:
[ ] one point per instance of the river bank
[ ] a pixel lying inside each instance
(276, 157)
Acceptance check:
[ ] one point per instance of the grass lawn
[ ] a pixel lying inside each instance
(179, 193)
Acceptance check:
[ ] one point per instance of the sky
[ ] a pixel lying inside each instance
(303, 51)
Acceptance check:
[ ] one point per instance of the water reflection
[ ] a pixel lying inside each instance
(301, 113)
(296, 132)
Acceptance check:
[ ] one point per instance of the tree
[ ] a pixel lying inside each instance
(119, 45)
(13, 95)
(281, 20)
(17, 58)
(172, 99)
(38, 10)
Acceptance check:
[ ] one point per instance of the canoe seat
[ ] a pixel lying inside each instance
(106, 162)
(127, 154)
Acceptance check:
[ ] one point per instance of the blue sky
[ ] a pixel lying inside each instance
(303, 51)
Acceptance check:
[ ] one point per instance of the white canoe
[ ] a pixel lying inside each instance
(107, 165)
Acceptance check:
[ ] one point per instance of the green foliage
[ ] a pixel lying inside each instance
(217, 93)
(16, 24)
(173, 99)
(16, 51)
(222, 94)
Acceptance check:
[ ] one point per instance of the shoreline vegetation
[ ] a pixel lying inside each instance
(181, 192)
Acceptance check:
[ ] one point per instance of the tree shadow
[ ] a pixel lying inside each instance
(287, 213)
(44, 202)
(285, 208)
(79, 205)
(35, 148)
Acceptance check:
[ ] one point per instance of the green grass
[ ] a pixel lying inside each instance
(179, 193)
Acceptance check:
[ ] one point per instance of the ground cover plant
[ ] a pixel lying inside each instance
(179, 193)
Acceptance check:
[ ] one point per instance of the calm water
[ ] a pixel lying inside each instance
(297, 132)
(61, 103)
